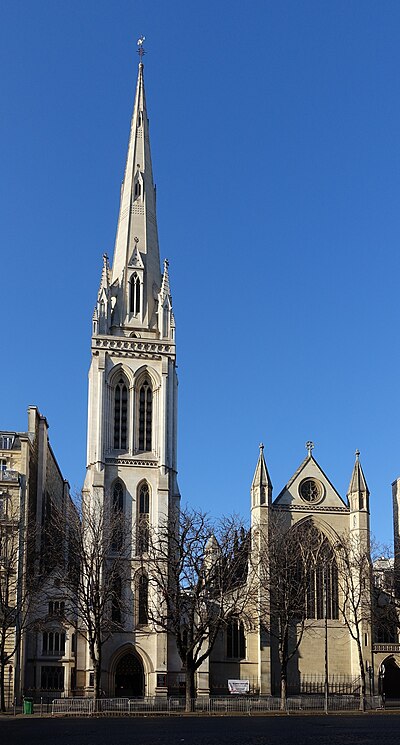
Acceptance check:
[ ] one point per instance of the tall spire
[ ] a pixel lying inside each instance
(137, 239)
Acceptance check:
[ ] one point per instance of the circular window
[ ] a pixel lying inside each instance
(310, 490)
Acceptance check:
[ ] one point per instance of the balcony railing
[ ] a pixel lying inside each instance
(10, 476)
(392, 647)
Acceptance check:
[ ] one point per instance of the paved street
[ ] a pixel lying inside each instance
(301, 730)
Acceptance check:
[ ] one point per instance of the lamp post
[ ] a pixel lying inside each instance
(9, 686)
(326, 684)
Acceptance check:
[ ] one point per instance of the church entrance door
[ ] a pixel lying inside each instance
(129, 677)
(391, 680)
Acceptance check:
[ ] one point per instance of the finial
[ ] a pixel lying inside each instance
(261, 446)
(357, 454)
(310, 447)
(105, 258)
(166, 263)
(136, 239)
(141, 50)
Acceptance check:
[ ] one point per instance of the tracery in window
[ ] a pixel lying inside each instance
(143, 590)
(322, 584)
(235, 639)
(120, 415)
(134, 294)
(145, 415)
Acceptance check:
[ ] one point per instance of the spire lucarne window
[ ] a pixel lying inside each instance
(120, 415)
(145, 415)
(134, 295)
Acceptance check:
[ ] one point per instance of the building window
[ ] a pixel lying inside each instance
(120, 415)
(134, 294)
(6, 442)
(322, 594)
(56, 607)
(52, 678)
(143, 519)
(145, 416)
(143, 590)
(118, 498)
(54, 643)
(235, 640)
(138, 189)
(3, 465)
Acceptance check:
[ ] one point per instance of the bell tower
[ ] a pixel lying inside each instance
(132, 409)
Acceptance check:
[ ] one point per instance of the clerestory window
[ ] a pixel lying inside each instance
(120, 415)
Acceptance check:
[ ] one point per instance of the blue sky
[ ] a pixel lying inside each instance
(275, 142)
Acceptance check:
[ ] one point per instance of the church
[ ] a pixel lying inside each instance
(132, 470)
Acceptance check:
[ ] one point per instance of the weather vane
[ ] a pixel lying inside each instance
(141, 50)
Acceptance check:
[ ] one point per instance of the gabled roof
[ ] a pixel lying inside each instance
(308, 468)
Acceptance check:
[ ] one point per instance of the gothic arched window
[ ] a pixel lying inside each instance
(235, 639)
(145, 415)
(143, 592)
(134, 294)
(117, 528)
(118, 497)
(143, 518)
(322, 595)
(120, 415)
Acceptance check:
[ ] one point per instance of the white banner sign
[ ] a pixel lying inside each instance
(238, 686)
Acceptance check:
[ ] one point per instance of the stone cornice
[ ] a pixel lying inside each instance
(131, 462)
(133, 347)
(309, 509)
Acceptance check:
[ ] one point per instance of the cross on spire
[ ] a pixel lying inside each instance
(141, 50)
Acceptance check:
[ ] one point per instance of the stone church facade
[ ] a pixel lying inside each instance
(132, 469)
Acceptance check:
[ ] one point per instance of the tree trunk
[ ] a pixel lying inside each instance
(283, 685)
(362, 676)
(97, 678)
(283, 659)
(190, 686)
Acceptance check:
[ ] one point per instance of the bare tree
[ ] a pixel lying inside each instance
(285, 562)
(19, 585)
(197, 572)
(355, 591)
(98, 550)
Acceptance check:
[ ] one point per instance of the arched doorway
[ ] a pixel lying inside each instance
(391, 679)
(129, 676)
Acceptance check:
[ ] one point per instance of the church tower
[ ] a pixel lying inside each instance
(132, 409)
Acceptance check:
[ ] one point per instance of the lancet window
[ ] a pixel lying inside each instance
(143, 518)
(134, 294)
(235, 639)
(145, 416)
(143, 592)
(120, 415)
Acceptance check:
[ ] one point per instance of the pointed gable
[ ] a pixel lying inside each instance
(309, 488)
